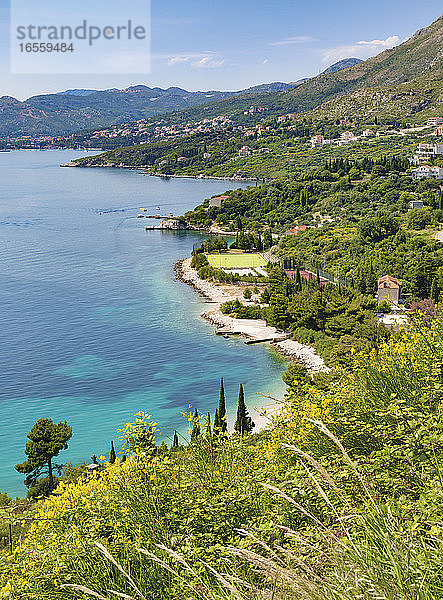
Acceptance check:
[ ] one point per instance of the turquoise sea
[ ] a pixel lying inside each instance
(93, 326)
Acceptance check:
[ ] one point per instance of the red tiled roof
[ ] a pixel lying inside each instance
(389, 282)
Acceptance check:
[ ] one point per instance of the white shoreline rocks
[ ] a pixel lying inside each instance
(250, 328)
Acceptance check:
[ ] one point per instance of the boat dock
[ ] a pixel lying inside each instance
(273, 340)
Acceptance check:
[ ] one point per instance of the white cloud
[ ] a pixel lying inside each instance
(198, 60)
(297, 39)
(265, 61)
(362, 49)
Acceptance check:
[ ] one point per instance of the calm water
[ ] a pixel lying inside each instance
(93, 325)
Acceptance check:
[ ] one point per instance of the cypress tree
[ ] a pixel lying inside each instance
(112, 455)
(208, 427)
(222, 422)
(243, 423)
(298, 279)
(435, 292)
(217, 424)
(175, 440)
(195, 433)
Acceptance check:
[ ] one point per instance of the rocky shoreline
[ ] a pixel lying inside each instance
(253, 329)
(73, 163)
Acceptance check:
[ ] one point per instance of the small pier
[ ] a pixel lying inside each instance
(227, 332)
(273, 340)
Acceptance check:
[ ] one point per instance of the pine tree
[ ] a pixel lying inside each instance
(243, 423)
(112, 455)
(46, 440)
(195, 433)
(222, 422)
(175, 440)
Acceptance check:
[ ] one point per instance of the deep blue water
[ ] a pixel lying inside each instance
(93, 326)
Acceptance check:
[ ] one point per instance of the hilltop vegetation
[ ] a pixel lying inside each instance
(358, 228)
(282, 150)
(336, 189)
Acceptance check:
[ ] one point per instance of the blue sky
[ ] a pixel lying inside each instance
(204, 44)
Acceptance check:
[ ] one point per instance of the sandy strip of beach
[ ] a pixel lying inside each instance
(249, 328)
(253, 329)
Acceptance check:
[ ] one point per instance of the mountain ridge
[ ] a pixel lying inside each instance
(72, 110)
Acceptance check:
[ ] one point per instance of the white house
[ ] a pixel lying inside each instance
(316, 141)
(368, 133)
(346, 137)
(425, 151)
(434, 121)
(427, 172)
(245, 151)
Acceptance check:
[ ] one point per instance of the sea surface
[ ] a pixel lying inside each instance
(93, 325)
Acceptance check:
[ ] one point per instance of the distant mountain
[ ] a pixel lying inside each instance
(266, 88)
(77, 92)
(342, 64)
(77, 109)
(403, 80)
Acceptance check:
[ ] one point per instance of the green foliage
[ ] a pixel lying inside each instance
(43, 487)
(375, 229)
(243, 423)
(221, 414)
(112, 455)
(421, 218)
(46, 441)
(195, 433)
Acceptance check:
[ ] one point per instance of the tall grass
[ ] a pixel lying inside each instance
(366, 555)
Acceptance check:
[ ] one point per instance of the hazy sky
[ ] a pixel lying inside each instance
(229, 45)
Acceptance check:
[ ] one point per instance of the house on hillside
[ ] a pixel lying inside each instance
(389, 290)
(427, 172)
(245, 151)
(317, 141)
(217, 202)
(433, 121)
(346, 137)
(426, 151)
(295, 230)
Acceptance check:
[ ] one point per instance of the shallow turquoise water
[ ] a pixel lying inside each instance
(93, 326)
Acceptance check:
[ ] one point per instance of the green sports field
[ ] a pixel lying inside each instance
(236, 261)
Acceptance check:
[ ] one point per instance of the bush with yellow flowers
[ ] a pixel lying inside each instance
(198, 500)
